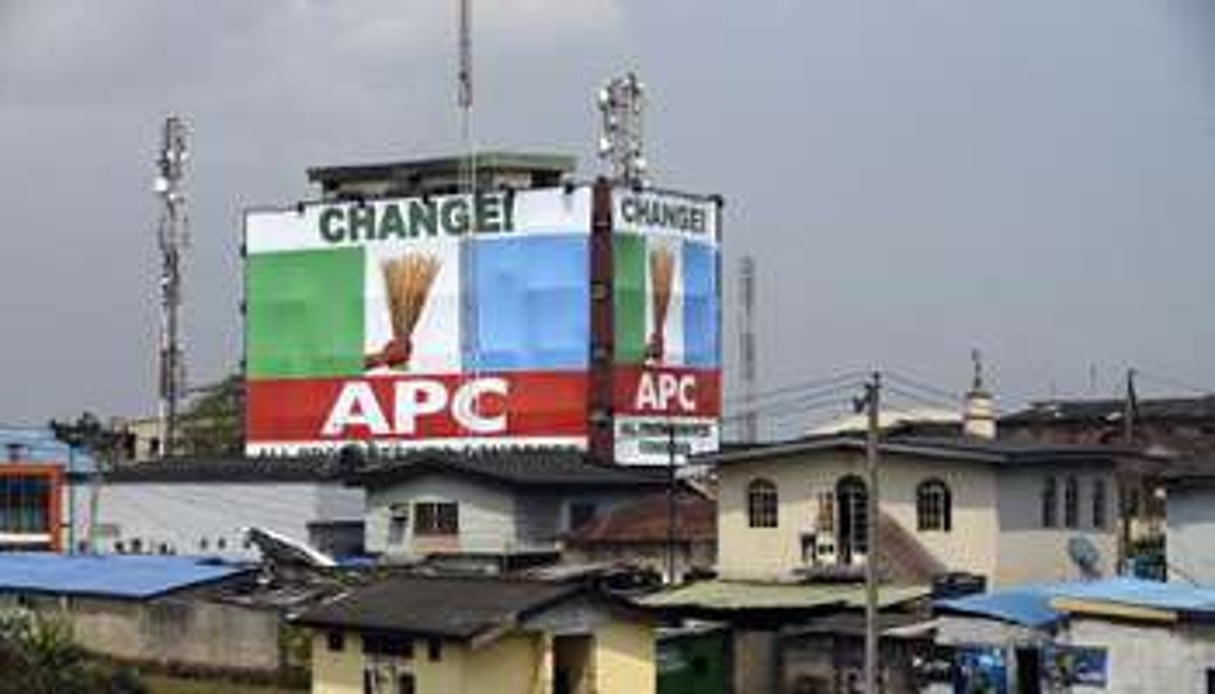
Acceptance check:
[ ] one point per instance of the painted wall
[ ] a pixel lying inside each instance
(624, 658)
(181, 516)
(623, 663)
(486, 515)
(1029, 552)
(1191, 526)
(493, 519)
(1145, 658)
(774, 553)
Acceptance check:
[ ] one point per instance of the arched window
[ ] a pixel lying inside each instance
(1050, 503)
(852, 507)
(761, 504)
(933, 507)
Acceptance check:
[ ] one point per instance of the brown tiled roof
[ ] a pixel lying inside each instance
(645, 520)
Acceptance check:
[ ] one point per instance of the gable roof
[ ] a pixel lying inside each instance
(450, 607)
(113, 576)
(645, 520)
(997, 451)
(528, 467)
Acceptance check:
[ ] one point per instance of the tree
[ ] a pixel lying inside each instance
(213, 423)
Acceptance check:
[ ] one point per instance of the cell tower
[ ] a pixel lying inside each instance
(746, 347)
(621, 103)
(173, 238)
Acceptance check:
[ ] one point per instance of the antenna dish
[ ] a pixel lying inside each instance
(1085, 555)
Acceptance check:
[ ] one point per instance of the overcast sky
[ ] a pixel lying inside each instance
(914, 177)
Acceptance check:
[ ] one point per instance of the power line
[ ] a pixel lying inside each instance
(921, 385)
(848, 379)
(1172, 382)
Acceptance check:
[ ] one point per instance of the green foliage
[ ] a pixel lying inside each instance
(38, 656)
(211, 426)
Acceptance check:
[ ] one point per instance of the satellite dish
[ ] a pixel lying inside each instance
(1085, 555)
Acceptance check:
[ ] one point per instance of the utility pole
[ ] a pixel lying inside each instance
(172, 238)
(1129, 486)
(872, 402)
(671, 503)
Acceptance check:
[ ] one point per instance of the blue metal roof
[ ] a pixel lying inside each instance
(118, 576)
(1030, 605)
(39, 445)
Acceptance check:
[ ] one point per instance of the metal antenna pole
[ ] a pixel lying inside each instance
(872, 397)
(746, 287)
(172, 238)
(671, 503)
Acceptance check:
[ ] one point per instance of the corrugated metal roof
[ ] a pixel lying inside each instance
(743, 595)
(117, 576)
(1031, 605)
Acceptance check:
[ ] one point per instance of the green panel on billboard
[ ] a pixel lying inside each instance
(629, 297)
(305, 313)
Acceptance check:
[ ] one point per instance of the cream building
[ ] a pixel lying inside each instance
(1006, 511)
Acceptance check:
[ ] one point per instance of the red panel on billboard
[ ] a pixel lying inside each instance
(666, 391)
(418, 407)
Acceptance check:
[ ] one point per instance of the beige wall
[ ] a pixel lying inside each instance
(996, 524)
(624, 659)
(774, 553)
(1030, 552)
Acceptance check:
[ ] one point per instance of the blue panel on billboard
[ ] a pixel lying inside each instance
(532, 298)
(699, 305)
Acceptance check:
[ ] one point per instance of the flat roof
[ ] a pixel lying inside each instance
(522, 467)
(114, 576)
(540, 162)
(996, 451)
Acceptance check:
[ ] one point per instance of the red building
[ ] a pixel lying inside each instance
(30, 507)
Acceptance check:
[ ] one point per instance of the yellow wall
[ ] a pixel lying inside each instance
(518, 663)
(624, 659)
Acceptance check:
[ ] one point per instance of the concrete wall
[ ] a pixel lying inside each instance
(774, 553)
(181, 516)
(1191, 527)
(1029, 552)
(1143, 658)
(625, 658)
(171, 631)
(486, 515)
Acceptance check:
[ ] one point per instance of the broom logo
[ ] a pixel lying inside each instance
(662, 274)
(407, 283)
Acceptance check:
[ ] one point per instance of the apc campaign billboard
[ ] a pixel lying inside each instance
(438, 320)
(466, 321)
(667, 325)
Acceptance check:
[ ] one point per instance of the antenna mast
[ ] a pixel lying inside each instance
(621, 103)
(747, 353)
(173, 238)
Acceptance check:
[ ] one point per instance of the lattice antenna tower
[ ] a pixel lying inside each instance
(747, 347)
(173, 238)
(622, 135)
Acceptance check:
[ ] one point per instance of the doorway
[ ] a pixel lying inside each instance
(852, 502)
(572, 672)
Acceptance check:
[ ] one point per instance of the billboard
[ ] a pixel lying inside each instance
(465, 321)
(666, 378)
(420, 320)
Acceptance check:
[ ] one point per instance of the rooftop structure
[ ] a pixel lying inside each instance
(442, 175)
(128, 577)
